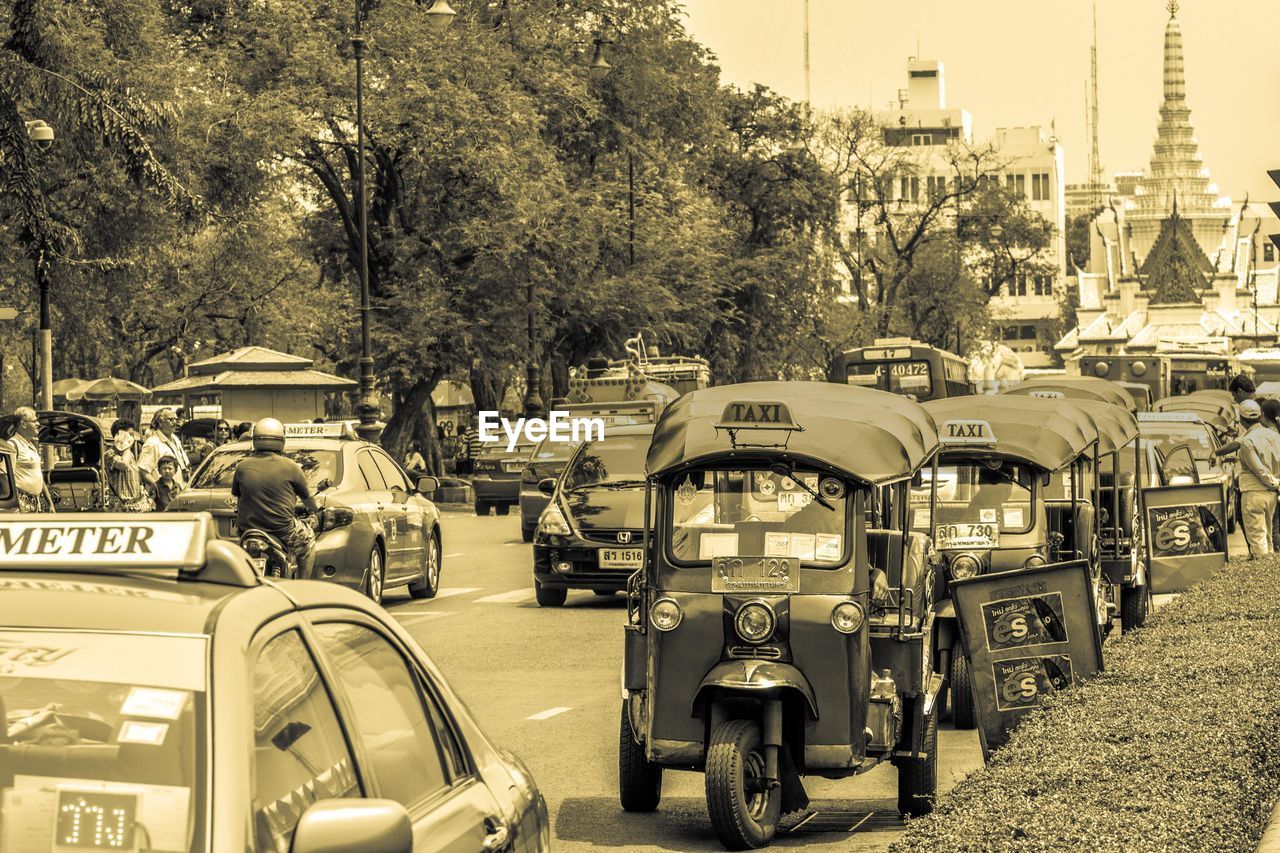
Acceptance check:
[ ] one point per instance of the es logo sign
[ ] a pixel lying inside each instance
(1021, 689)
(1011, 629)
(1173, 536)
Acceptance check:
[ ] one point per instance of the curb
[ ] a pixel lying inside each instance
(1270, 841)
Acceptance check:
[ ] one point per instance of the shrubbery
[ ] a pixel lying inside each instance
(1175, 746)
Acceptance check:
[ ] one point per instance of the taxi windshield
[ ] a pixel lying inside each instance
(904, 377)
(317, 466)
(554, 451)
(980, 498)
(743, 513)
(104, 732)
(1166, 435)
(617, 461)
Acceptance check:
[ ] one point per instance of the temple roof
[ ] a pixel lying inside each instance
(1176, 267)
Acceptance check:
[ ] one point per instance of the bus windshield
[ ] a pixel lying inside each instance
(741, 513)
(898, 377)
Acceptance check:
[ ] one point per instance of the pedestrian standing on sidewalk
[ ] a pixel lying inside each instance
(1271, 420)
(28, 472)
(162, 442)
(468, 447)
(125, 492)
(1259, 479)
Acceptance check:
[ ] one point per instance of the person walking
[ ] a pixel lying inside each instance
(469, 443)
(163, 441)
(1259, 480)
(125, 492)
(28, 472)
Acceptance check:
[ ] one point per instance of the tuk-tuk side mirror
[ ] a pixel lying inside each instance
(547, 486)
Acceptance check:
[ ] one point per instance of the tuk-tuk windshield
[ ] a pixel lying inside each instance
(743, 513)
(994, 494)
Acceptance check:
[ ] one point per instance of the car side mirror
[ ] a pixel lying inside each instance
(323, 485)
(427, 485)
(370, 826)
(547, 486)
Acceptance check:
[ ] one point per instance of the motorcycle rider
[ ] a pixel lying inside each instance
(267, 485)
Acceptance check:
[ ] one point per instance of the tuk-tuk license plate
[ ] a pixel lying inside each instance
(755, 574)
(968, 536)
(621, 558)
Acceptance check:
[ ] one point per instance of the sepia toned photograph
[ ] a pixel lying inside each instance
(505, 426)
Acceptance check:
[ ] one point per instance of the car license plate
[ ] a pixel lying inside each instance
(968, 536)
(792, 501)
(621, 558)
(513, 467)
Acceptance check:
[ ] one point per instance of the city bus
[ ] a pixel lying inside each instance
(904, 366)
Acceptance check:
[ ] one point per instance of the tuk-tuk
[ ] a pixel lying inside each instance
(78, 479)
(1113, 483)
(999, 455)
(780, 625)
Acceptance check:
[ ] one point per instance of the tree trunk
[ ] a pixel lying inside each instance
(401, 426)
(485, 390)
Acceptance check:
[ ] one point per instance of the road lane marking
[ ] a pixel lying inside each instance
(547, 714)
(461, 590)
(454, 554)
(511, 597)
(421, 614)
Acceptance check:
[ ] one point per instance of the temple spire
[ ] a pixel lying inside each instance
(1175, 81)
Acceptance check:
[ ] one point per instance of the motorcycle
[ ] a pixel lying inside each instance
(268, 554)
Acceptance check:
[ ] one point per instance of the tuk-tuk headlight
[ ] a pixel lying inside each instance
(665, 614)
(847, 617)
(1035, 561)
(965, 566)
(755, 622)
(553, 523)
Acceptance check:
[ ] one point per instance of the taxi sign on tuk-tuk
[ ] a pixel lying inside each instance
(967, 432)
(141, 541)
(1051, 395)
(1028, 634)
(757, 414)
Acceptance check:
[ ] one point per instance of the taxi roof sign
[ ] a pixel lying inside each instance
(1052, 395)
(1176, 417)
(757, 414)
(338, 429)
(124, 541)
(967, 432)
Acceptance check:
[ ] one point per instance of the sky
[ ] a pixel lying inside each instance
(1016, 63)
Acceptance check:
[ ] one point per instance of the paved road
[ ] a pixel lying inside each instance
(544, 683)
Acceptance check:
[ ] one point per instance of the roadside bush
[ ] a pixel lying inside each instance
(1175, 746)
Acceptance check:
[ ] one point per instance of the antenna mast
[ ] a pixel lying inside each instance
(806, 53)
(1095, 161)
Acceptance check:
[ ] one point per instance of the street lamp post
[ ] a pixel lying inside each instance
(42, 136)
(439, 15)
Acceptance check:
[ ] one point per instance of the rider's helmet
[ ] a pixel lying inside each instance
(268, 434)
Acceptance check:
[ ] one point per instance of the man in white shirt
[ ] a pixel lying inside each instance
(1260, 458)
(28, 474)
(163, 441)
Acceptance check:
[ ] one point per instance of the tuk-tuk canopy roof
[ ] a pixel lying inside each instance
(1217, 412)
(71, 428)
(1077, 388)
(1047, 433)
(875, 436)
(1117, 426)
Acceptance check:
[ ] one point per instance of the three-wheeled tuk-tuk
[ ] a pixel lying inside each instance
(1113, 483)
(999, 455)
(78, 479)
(781, 625)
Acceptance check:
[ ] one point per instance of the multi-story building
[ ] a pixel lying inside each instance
(1028, 162)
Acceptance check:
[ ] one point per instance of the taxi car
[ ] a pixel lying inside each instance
(547, 461)
(495, 477)
(590, 534)
(377, 528)
(160, 695)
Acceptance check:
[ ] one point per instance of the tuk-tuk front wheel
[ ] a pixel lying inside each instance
(744, 812)
(961, 688)
(918, 777)
(639, 780)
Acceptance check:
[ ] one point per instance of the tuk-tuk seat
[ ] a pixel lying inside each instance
(885, 552)
(75, 488)
(1076, 528)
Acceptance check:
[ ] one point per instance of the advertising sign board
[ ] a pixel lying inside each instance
(1186, 535)
(1028, 634)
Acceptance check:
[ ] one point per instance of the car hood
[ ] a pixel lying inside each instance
(606, 509)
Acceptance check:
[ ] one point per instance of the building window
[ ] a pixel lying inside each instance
(922, 139)
(1043, 285)
(1016, 185)
(936, 186)
(1040, 186)
(1018, 285)
(910, 189)
(1268, 252)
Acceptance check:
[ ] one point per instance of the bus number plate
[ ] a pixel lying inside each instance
(755, 574)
